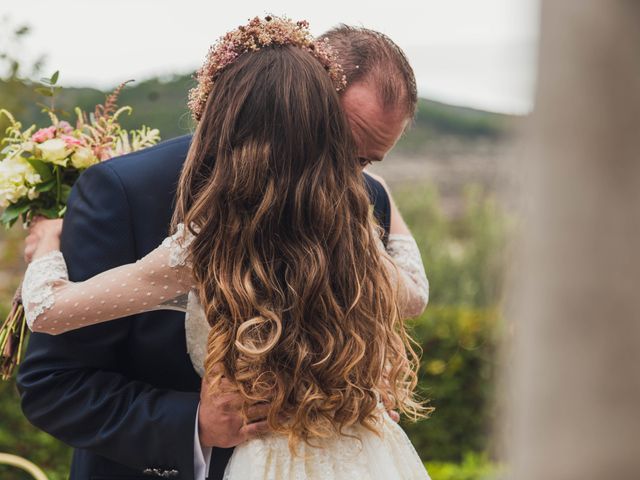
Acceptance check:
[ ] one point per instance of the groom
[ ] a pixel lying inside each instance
(124, 393)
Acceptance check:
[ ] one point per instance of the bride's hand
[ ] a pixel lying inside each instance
(44, 237)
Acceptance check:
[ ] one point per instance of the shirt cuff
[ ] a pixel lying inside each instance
(201, 456)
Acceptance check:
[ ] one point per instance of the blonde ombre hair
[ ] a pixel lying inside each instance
(302, 308)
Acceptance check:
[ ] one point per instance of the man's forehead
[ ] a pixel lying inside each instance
(363, 99)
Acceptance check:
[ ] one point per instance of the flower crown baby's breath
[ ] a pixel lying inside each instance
(259, 33)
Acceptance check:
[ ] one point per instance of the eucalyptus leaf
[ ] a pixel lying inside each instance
(44, 91)
(66, 191)
(12, 213)
(54, 78)
(46, 186)
(53, 212)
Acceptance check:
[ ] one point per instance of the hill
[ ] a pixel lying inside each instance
(161, 103)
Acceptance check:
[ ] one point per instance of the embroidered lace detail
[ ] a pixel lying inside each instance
(37, 286)
(196, 333)
(404, 251)
(362, 455)
(178, 244)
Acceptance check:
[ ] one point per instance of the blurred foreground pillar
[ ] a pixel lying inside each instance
(576, 371)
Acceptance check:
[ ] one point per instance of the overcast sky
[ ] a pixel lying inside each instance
(469, 52)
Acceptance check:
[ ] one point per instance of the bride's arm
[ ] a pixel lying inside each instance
(55, 305)
(412, 279)
(407, 262)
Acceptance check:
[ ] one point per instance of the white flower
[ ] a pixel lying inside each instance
(54, 151)
(32, 177)
(17, 180)
(83, 158)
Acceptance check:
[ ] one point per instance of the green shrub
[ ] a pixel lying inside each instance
(464, 258)
(473, 467)
(457, 376)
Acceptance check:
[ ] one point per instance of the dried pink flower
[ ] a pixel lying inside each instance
(44, 134)
(65, 127)
(256, 34)
(71, 141)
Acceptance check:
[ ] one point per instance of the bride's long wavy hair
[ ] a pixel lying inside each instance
(302, 308)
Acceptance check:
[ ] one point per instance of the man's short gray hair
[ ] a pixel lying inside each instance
(370, 56)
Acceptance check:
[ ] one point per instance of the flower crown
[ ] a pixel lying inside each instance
(259, 33)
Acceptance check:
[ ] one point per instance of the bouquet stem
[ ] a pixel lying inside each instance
(12, 337)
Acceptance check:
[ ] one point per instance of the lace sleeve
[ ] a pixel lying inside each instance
(55, 305)
(404, 251)
(178, 245)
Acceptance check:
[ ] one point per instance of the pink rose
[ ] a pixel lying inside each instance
(65, 127)
(44, 134)
(71, 141)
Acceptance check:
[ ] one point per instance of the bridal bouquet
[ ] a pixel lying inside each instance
(38, 167)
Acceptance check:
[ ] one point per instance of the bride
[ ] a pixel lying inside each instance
(275, 246)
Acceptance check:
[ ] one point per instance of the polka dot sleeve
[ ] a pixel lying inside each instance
(55, 305)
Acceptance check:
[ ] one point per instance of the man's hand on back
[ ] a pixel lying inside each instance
(220, 420)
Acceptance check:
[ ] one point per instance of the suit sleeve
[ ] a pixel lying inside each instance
(70, 384)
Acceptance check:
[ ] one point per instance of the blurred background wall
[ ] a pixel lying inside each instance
(574, 381)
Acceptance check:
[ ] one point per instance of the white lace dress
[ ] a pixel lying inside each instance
(162, 280)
